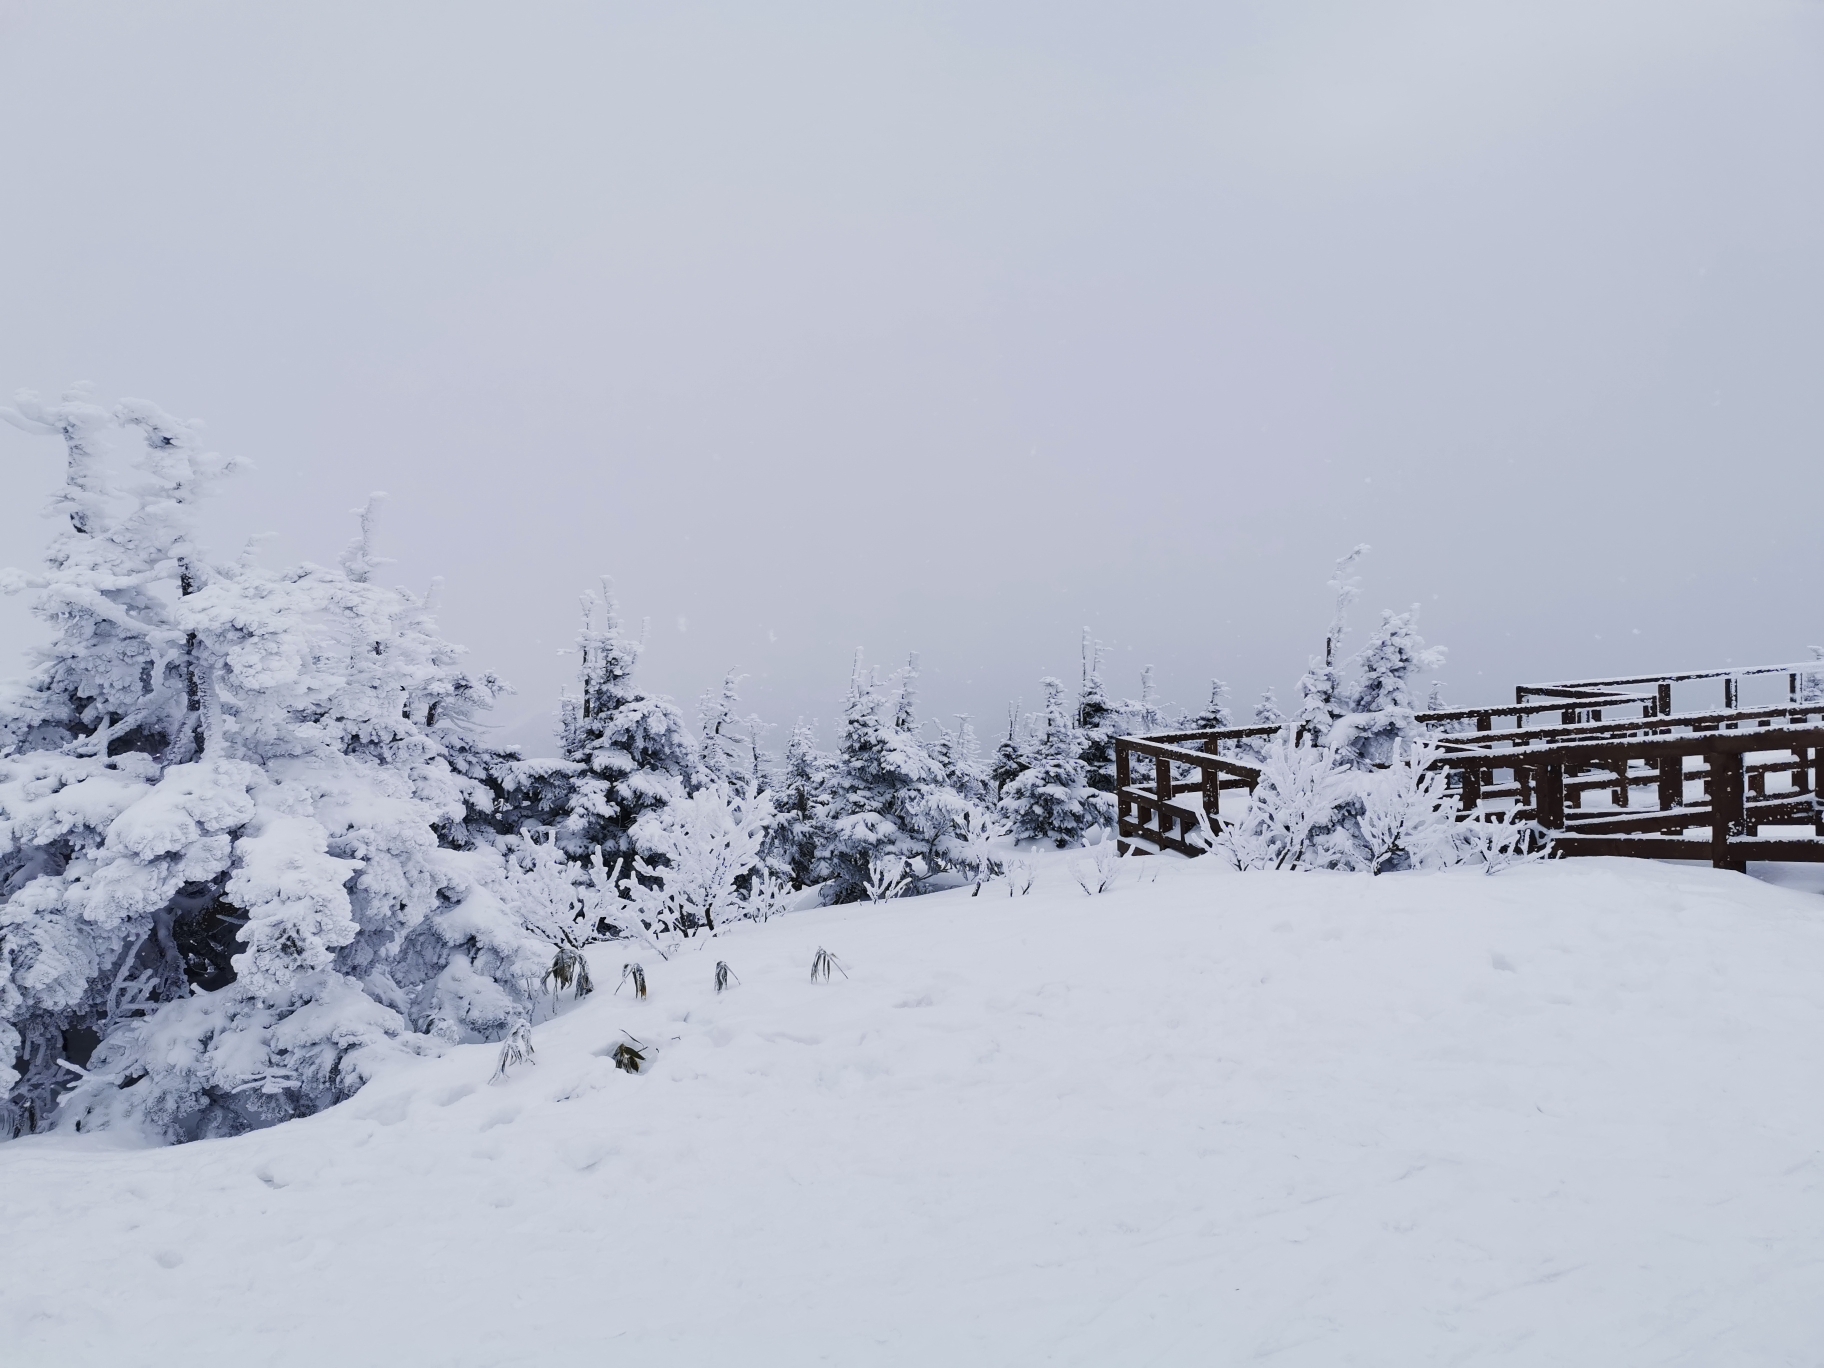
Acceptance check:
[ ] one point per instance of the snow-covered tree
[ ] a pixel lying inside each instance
(708, 858)
(1266, 712)
(887, 794)
(731, 753)
(1321, 692)
(1013, 756)
(959, 755)
(1140, 716)
(1097, 718)
(1384, 703)
(1215, 715)
(800, 795)
(631, 751)
(1052, 800)
(237, 816)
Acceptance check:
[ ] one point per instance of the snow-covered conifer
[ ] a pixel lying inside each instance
(1013, 756)
(800, 795)
(1097, 719)
(959, 755)
(731, 753)
(1382, 708)
(1052, 800)
(1321, 692)
(1215, 715)
(1141, 716)
(1266, 712)
(888, 796)
(632, 751)
(236, 853)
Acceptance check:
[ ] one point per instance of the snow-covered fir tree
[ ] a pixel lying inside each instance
(959, 755)
(1097, 719)
(1140, 716)
(1383, 705)
(1052, 800)
(631, 751)
(1215, 715)
(731, 753)
(1013, 756)
(237, 817)
(1266, 712)
(800, 797)
(888, 798)
(1321, 693)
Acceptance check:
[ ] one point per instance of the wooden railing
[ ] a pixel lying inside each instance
(1634, 785)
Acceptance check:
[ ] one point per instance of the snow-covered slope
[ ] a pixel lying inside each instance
(1568, 1114)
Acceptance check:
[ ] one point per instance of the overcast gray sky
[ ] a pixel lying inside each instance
(958, 327)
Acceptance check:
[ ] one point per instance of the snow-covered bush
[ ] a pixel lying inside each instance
(700, 857)
(1406, 818)
(1105, 860)
(238, 816)
(979, 833)
(1313, 809)
(1294, 818)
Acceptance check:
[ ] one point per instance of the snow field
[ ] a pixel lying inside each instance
(1567, 1114)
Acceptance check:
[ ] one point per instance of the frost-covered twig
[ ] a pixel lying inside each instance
(1018, 874)
(1105, 863)
(888, 876)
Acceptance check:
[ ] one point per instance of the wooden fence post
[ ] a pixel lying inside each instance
(1727, 817)
(1551, 795)
(1671, 782)
(1124, 763)
(1162, 772)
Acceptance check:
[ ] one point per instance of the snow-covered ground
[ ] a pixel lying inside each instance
(1568, 1114)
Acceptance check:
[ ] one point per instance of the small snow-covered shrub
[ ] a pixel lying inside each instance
(705, 856)
(1294, 817)
(978, 833)
(1407, 819)
(1105, 860)
(888, 877)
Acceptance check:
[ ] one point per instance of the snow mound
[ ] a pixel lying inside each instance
(1566, 1114)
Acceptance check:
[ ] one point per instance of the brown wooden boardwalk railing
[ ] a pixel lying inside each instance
(1601, 784)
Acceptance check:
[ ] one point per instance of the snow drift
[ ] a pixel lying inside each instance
(1564, 1114)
